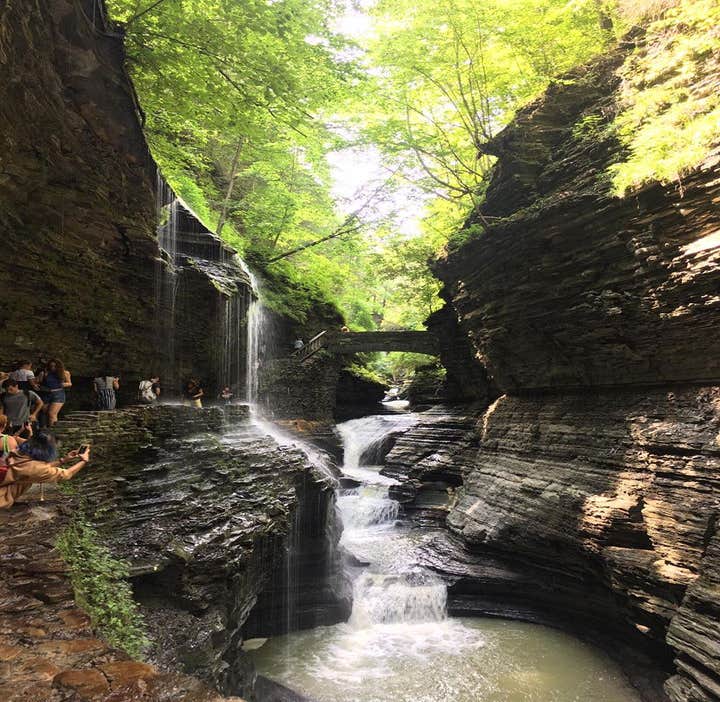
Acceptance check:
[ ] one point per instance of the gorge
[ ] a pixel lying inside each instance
(547, 530)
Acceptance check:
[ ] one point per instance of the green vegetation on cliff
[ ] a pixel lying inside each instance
(101, 588)
(670, 118)
(250, 105)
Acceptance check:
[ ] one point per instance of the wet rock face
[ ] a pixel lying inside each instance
(48, 650)
(616, 493)
(574, 287)
(76, 195)
(207, 510)
(427, 460)
(78, 218)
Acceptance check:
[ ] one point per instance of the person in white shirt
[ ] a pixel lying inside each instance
(24, 376)
(149, 390)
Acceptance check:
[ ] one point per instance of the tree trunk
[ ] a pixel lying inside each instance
(231, 185)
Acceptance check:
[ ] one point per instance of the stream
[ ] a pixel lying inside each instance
(399, 645)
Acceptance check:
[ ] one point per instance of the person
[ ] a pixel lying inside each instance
(20, 406)
(55, 381)
(226, 395)
(149, 390)
(36, 462)
(104, 387)
(298, 344)
(8, 442)
(24, 375)
(193, 393)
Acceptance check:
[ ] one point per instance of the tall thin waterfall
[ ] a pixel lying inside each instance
(255, 331)
(219, 342)
(238, 343)
(166, 278)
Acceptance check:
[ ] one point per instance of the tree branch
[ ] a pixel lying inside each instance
(144, 12)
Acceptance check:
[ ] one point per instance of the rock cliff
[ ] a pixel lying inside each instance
(85, 277)
(227, 534)
(573, 287)
(590, 489)
(207, 519)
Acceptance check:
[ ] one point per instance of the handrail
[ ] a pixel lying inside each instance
(311, 348)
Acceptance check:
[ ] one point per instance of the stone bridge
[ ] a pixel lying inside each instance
(361, 342)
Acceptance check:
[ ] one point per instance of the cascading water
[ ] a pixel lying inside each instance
(166, 278)
(393, 590)
(399, 644)
(255, 327)
(239, 333)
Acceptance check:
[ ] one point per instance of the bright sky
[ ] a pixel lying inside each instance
(358, 172)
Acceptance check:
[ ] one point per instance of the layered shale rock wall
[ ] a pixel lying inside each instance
(207, 510)
(77, 207)
(591, 487)
(83, 277)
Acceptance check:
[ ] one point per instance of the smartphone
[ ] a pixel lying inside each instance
(83, 448)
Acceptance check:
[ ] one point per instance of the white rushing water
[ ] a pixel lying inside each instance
(393, 590)
(399, 644)
(364, 435)
(166, 279)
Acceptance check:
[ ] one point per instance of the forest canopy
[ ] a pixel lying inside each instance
(249, 103)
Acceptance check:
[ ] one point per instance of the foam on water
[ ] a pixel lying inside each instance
(412, 597)
(359, 435)
(367, 506)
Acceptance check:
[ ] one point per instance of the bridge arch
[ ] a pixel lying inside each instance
(341, 343)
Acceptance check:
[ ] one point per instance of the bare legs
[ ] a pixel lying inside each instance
(53, 410)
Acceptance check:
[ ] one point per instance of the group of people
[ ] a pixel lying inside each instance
(34, 395)
(30, 402)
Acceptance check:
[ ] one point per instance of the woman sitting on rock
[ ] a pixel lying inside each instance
(36, 462)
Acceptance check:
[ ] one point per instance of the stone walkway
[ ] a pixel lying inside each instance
(48, 650)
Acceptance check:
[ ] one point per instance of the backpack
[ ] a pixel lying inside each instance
(4, 457)
(145, 391)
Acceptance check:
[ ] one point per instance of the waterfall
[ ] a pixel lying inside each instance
(361, 436)
(368, 505)
(188, 249)
(397, 598)
(393, 590)
(255, 328)
(237, 343)
(166, 278)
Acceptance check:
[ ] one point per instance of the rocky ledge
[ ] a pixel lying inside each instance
(207, 511)
(48, 649)
(427, 461)
(595, 512)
